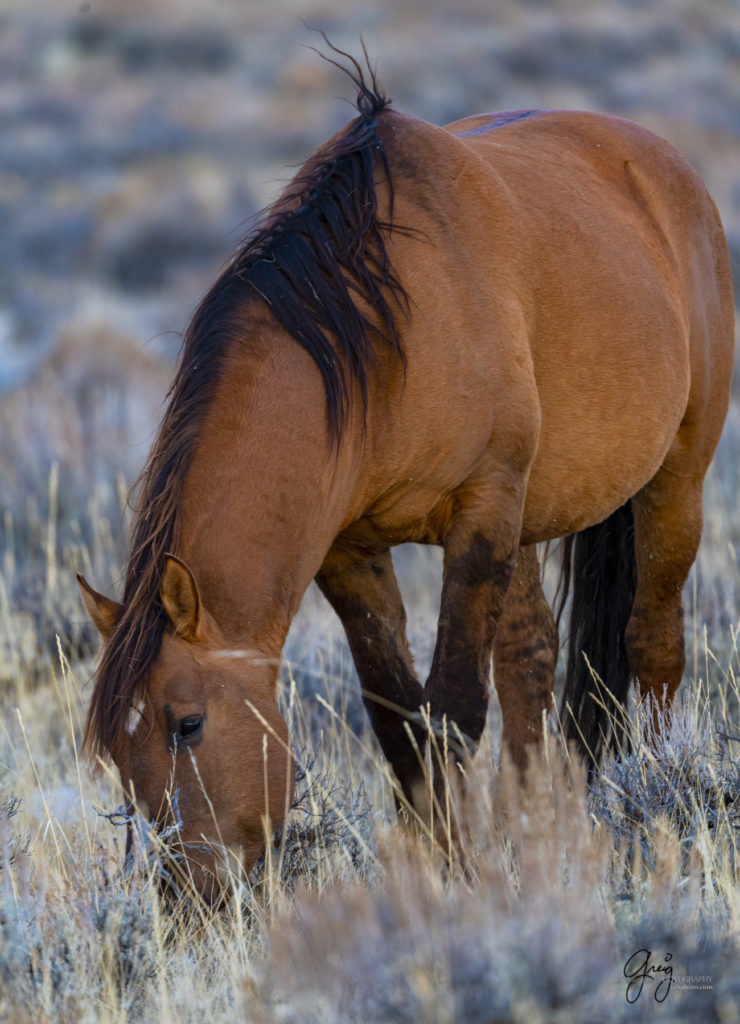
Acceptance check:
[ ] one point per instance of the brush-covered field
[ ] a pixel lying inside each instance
(136, 143)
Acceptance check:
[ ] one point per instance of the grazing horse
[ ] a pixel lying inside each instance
(515, 328)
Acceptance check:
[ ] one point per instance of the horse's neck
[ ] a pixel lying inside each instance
(264, 496)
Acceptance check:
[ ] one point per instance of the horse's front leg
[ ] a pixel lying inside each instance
(364, 593)
(480, 552)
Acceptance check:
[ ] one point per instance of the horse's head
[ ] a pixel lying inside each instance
(205, 753)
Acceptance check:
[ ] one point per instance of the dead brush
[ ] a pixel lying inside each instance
(492, 939)
(673, 769)
(328, 834)
(350, 918)
(10, 842)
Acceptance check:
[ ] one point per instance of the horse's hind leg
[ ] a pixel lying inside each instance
(668, 510)
(365, 595)
(668, 523)
(524, 656)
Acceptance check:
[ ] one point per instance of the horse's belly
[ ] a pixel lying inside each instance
(577, 480)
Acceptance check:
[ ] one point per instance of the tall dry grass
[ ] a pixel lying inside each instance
(351, 918)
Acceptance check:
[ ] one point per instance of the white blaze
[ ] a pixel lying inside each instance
(135, 715)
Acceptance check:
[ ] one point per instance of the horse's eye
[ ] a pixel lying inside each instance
(190, 728)
(186, 731)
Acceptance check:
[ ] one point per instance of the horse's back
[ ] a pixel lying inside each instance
(602, 174)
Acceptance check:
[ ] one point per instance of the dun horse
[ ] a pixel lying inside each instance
(515, 328)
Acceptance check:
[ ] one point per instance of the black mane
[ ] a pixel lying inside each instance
(320, 263)
(320, 252)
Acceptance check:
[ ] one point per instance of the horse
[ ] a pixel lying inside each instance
(485, 336)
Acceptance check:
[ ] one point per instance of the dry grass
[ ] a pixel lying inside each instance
(350, 918)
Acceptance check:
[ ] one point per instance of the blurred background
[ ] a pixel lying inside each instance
(138, 139)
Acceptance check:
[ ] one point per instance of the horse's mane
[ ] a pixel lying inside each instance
(319, 251)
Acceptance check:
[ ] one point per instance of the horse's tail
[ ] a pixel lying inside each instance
(598, 569)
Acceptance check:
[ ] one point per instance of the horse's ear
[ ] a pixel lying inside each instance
(102, 610)
(180, 597)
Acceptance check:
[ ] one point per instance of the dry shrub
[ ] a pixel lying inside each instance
(563, 880)
(537, 926)
(350, 918)
(68, 440)
(90, 407)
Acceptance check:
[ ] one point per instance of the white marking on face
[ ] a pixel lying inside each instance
(254, 657)
(135, 715)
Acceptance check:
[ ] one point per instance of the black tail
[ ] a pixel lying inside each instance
(599, 568)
